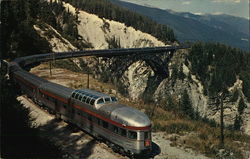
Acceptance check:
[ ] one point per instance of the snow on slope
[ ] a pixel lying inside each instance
(96, 31)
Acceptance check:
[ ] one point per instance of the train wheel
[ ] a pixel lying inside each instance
(131, 155)
(123, 152)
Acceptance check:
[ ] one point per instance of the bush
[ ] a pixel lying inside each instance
(178, 127)
(66, 64)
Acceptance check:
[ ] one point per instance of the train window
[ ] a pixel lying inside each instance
(89, 117)
(73, 95)
(107, 99)
(92, 102)
(132, 135)
(100, 101)
(64, 105)
(105, 124)
(88, 100)
(115, 129)
(84, 114)
(113, 99)
(80, 97)
(76, 96)
(51, 99)
(79, 113)
(146, 135)
(84, 98)
(95, 97)
(98, 121)
(123, 132)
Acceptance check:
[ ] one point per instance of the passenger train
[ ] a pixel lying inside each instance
(124, 128)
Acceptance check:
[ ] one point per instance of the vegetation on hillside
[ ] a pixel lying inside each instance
(105, 9)
(218, 66)
(54, 14)
(18, 37)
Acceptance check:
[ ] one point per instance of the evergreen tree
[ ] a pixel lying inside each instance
(186, 105)
(174, 74)
(237, 122)
(170, 104)
(181, 75)
(241, 106)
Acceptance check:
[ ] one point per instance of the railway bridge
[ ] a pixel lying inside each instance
(129, 56)
(156, 57)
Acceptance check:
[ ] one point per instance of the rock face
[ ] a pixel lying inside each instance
(149, 77)
(101, 32)
(136, 77)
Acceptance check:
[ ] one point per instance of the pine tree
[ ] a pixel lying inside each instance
(186, 105)
(170, 103)
(241, 106)
(237, 122)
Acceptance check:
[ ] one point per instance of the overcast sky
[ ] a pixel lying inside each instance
(238, 8)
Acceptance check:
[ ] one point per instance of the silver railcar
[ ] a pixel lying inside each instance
(101, 115)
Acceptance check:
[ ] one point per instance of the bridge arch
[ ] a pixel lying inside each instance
(158, 63)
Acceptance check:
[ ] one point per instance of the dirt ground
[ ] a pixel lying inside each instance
(75, 143)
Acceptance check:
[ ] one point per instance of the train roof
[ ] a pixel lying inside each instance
(131, 116)
(126, 115)
(34, 80)
(57, 89)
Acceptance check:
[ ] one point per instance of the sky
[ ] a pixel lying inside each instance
(239, 8)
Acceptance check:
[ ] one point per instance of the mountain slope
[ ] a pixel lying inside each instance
(189, 27)
(227, 22)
